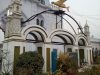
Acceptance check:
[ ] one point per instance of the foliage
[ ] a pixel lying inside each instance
(29, 63)
(5, 74)
(97, 60)
(66, 65)
(95, 70)
(48, 73)
(58, 72)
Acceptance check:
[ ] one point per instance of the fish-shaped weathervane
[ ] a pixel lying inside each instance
(60, 3)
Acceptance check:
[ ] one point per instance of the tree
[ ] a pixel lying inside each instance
(29, 63)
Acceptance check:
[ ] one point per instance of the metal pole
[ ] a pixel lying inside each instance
(64, 49)
(56, 22)
(61, 21)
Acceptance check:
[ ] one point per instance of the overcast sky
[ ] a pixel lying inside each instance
(89, 10)
(83, 10)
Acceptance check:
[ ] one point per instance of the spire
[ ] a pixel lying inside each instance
(86, 24)
(86, 28)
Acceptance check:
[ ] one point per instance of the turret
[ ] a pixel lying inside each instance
(87, 32)
(86, 29)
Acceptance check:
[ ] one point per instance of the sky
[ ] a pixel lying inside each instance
(83, 10)
(86, 10)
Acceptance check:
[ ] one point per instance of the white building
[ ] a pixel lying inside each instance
(95, 46)
(40, 34)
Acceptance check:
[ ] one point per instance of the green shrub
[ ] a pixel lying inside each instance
(29, 63)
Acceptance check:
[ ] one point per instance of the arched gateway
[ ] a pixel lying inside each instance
(48, 39)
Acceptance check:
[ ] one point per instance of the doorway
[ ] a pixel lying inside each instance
(81, 56)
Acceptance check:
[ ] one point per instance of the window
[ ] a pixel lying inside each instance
(23, 49)
(69, 50)
(42, 23)
(40, 20)
(17, 8)
(81, 42)
(93, 49)
(42, 2)
(37, 21)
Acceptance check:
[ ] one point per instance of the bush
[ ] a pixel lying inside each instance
(95, 70)
(66, 65)
(29, 63)
(47, 73)
(97, 60)
(5, 74)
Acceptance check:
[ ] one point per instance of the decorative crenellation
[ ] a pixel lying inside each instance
(16, 7)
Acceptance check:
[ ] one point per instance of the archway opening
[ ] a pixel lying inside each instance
(63, 39)
(81, 42)
(82, 45)
(59, 41)
(35, 37)
(35, 41)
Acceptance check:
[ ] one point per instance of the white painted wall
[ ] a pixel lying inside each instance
(8, 47)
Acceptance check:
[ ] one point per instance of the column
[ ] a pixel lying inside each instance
(90, 58)
(85, 54)
(47, 57)
(76, 49)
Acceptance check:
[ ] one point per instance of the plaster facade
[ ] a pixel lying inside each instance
(30, 36)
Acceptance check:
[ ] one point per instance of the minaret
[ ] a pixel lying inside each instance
(13, 26)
